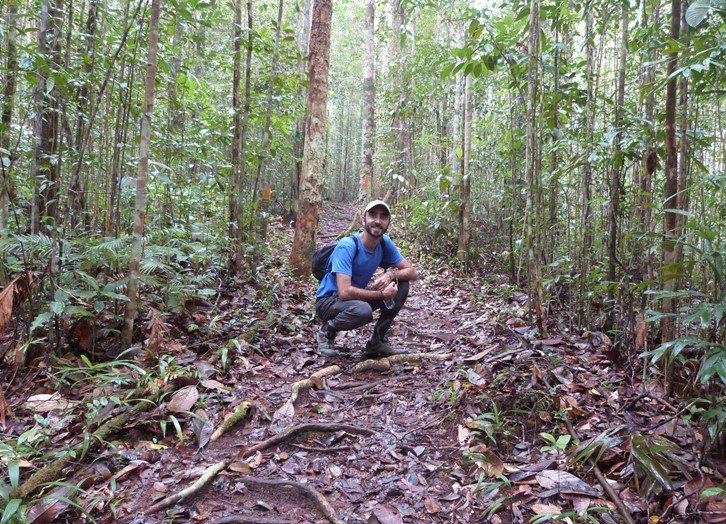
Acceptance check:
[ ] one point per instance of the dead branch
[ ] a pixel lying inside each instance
(387, 363)
(237, 415)
(212, 471)
(323, 505)
(54, 470)
(316, 379)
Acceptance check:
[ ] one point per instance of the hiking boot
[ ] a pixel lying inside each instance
(326, 346)
(381, 348)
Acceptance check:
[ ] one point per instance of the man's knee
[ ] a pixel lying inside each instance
(361, 310)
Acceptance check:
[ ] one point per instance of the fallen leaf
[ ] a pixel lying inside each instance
(6, 304)
(431, 505)
(463, 434)
(565, 482)
(214, 384)
(240, 467)
(287, 410)
(160, 487)
(385, 514)
(49, 508)
(44, 402)
(546, 509)
(184, 399)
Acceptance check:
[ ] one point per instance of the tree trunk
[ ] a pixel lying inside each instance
(586, 217)
(670, 187)
(45, 128)
(465, 212)
(6, 119)
(76, 194)
(297, 148)
(239, 258)
(141, 189)
(263, 209)
(534, 281)
(234, 183)
(617, 168)
(311, 186)
(367, 183)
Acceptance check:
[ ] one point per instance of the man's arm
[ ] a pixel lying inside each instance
(346, 291)
(401, 271)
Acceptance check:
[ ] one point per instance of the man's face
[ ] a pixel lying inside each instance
(376, 221)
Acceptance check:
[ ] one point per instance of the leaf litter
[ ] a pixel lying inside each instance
(453, 440)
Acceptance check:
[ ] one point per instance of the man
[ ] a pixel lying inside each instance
(345, 300)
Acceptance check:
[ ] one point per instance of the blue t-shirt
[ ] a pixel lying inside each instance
(360, 269)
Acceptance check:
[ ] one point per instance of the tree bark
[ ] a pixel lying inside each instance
(670, 186)
(534, 281)
(367, 182)
(617, 168)
(8, 106)
(234, 183)
(465, 212)
(311, 186)
(141, 189)
(263, 207)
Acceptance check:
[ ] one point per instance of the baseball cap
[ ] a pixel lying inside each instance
(375, 203)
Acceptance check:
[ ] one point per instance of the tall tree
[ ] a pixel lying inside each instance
(534, 281)
(234, 183)
(618, 163)
(46, 167)
(670, 187)
(311, 184)
(367, 182)
(263, 208)
(8, 106)
(465, 211)
(141, 181)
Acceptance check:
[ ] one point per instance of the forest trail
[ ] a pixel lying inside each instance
(351, 440)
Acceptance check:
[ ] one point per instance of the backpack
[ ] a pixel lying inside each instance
(319, 264)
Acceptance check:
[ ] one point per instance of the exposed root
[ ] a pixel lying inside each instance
(323, 505)
(212, 471)
(54, 470)
(316, 380)
(387, 363)
(237, 415)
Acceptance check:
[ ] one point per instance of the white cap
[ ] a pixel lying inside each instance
(375, 203)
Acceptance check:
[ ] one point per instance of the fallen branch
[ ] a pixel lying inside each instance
(316, 379)
(323, 505)
(53, 471)
(387, 363)
(212, 471)
(237, 415)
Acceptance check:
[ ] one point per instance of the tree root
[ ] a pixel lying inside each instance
(237, 415)
(54, 470)
(387, 363)
(316, 379)
(212, 471)
(323, 505)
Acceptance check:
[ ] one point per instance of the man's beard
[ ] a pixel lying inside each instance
(369, 226)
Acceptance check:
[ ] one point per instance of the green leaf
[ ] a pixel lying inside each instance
(99, 306)
(10, 510)
(57, 307)
(14, 473)
(40, 320)
(697, 13)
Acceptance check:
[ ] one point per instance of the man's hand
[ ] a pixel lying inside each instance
(382, 281)
(390, 291)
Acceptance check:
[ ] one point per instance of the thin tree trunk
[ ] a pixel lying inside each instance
(141, 189)
(367, 182)
(670, 187)
(534, 283)
(465, 213)
(617, 168)
(8, 106)
(239, 258)
(234, 185)
(311, 186)
(263, 208)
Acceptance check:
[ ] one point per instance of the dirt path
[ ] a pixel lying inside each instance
(405, 469)
(484, 429)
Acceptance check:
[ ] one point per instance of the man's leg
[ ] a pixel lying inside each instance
(339, 315)
(387, 315)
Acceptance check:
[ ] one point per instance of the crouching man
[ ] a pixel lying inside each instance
(345, 300)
